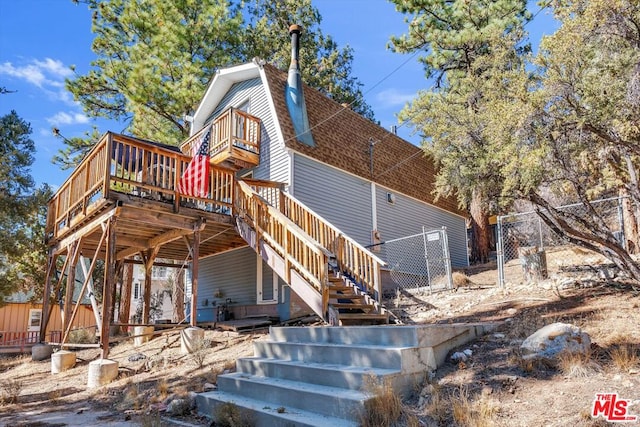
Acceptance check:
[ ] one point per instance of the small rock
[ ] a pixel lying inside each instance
(459, 356)
(468, 352)
(136, 357)
(486, 391)
(499, 336)
(634, 371)
(209, 387)
(512, 311)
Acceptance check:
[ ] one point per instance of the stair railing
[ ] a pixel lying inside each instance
(298, 249)
(353, 259)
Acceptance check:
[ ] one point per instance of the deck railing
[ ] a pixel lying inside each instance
(120, 164)
(352, 258)
(18, 340)
(233, 129)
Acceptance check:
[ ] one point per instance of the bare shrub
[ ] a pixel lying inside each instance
(199, 351)
(11, 390)
(82, 336)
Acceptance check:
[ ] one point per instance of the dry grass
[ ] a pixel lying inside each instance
(438, 406)
(460, 279)
(577, 365)
(384, 408)
(625, 356)
(82, 336)
(472, 413)
(200, 349)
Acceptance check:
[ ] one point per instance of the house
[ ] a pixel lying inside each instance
(364, 180)
(162, 282)
(294, 189)
(21, 318)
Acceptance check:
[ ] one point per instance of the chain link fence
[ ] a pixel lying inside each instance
(420, 262)
(520, 235)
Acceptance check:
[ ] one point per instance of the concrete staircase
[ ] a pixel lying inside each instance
(314, 376)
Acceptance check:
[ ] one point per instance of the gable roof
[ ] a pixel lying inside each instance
(342, 140)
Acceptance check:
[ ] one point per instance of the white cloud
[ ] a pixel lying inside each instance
(30, 73)
(62, 118)
(393, 97)
(55, 67)
(47, 73)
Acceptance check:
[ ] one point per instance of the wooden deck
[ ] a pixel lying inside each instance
(135, 183)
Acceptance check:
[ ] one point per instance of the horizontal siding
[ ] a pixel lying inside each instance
(233, 273)
(406, 217)
(342, 199)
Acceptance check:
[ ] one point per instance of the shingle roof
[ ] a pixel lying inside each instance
(342, 140)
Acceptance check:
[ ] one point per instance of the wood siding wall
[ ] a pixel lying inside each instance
(345, 201)
(232, 273)
(342, 199)
(15, 317)
(406, 216)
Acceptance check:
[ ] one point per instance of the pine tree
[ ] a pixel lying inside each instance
(470, 47)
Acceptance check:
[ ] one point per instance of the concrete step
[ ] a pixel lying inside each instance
(324, 400)
(259, 414)
(395, 336)
(348, 377)
(366, 356)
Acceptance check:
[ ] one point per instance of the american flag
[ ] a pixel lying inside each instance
(195, 178)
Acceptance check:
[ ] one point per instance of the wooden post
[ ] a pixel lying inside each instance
(114, 293)
(178, 297)
(74, 252)
(110, 270)
(52, 259)
(125, 294)
(194, 277)
(148, 257)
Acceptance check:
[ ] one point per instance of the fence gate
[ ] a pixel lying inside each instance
(420, 262)
(526, 230)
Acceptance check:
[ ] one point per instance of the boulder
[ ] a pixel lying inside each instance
(551, 340)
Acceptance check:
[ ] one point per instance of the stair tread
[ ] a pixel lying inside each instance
(326, 366)
(296, 416)
(323, 390)
(378, 347)
(354, 306)
(363, 316)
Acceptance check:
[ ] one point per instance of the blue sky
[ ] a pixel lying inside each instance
(41, 39)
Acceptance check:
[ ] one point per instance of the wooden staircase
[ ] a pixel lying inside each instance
(352, 306)
(337, 277)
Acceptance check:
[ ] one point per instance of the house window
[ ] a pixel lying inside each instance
(136, 290)
(159, 272)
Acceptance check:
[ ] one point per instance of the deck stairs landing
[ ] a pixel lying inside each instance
(315, 376)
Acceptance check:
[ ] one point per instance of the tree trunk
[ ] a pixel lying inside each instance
(125, 297)
(178, 298)
(480, 230)
(630, 222)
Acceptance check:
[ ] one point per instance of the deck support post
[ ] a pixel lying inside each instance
(109, 276)
(125, 294)
(73, 253)
(51, 268)
(194, 276)
(149, 257)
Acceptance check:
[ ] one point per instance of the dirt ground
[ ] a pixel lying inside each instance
(494, 386)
